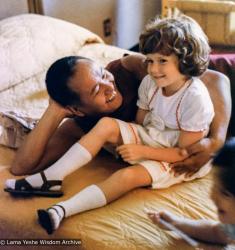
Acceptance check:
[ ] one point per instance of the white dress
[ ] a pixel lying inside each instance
(189, 109)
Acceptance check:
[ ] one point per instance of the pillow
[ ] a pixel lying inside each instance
(30, 43)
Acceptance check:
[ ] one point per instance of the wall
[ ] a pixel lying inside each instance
(12, 7)
(127, 16)
(131, 16)
(87, 13)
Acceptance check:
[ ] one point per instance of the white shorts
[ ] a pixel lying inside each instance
(159, 171)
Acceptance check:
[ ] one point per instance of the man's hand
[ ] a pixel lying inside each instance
(131, 152)
(199, 154)
(35, 147)
(58, 109)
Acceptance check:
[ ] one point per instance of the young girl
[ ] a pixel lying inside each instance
(175, 111)
(223, 195)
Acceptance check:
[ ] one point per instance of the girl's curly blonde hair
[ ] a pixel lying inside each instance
(182, 36)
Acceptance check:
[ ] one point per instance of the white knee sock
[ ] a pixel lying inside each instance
(76, 157)
(89, 198)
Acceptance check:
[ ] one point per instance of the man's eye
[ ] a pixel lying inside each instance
(97, 89)
(148, 61)
(104, 75)
(225, 193)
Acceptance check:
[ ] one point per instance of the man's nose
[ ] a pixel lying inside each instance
(213, 195)
(107, 85)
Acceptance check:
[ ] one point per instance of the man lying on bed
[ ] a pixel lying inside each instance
(118, 84)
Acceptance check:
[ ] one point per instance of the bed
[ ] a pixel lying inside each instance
(28, 45)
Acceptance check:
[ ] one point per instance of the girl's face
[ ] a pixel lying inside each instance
(164, 70)
(224, 201)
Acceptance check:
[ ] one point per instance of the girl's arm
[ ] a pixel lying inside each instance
(167, 154)
(173, 154)
(140, 115)
(133, 152)
(201, 152)
(204, 230)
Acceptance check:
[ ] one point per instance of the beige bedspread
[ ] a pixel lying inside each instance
(120, 225)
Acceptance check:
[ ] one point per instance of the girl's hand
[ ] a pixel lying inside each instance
(131, 152)
(166, 216)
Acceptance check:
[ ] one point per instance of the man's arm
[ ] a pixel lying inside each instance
(135, 64)
(200, 153)
(218, 86)
(42, 144)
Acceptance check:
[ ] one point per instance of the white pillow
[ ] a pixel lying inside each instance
(30, 43)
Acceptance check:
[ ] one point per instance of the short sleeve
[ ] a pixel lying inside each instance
(196, 110)
(143, 93)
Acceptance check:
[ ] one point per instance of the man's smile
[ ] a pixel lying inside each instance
(112, 96)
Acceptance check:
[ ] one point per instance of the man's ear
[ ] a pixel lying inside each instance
(75, 111)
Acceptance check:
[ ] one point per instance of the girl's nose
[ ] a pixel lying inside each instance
(153, 69)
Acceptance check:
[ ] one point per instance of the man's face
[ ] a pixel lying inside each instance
(96, 88)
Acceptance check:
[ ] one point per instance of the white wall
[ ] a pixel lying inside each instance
(128, 17)
(131, 17)
(87, 13)
(12, 7)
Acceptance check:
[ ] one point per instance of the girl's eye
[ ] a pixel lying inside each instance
(162, 61)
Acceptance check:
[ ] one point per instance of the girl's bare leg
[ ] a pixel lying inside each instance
(106, 130)
(95, 196)
(124, 180)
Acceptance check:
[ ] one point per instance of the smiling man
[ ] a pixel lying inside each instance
(84, 91)
(84, 87)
